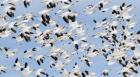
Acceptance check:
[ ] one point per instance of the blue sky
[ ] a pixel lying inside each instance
(99, 62)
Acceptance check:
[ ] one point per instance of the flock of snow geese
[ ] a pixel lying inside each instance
(63, 40)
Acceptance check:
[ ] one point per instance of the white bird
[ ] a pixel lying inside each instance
(4, 32)
(40, 72)
(17, 65)
(39, 59)
(26, 3)
(105, 72)
(3, 69)
(9, 52)
(26, 71)
(28, 54)
(93, 8)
